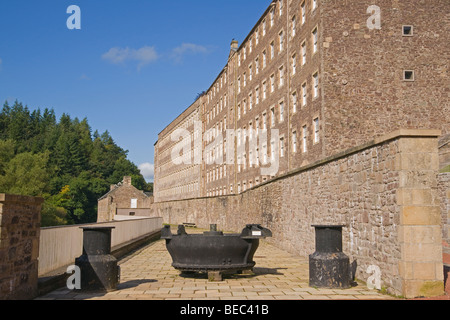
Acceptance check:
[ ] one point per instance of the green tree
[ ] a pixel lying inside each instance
(6, 154)
(26, 174)
(60, 160)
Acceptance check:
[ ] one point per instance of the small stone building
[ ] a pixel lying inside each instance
(124, 202)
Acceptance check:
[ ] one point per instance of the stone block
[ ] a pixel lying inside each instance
(420, 288)
(412, 179)
(406, 269)
(419, 197)
(420, 215)
(425, 271)
(417, 252)
(417, 161)
(418, 145)
(420, 234)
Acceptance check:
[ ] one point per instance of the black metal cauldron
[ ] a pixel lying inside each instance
(214, 252)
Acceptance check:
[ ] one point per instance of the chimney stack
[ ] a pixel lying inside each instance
(127, 181)
(234, 45)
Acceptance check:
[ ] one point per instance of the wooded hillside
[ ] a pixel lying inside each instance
(62, 161)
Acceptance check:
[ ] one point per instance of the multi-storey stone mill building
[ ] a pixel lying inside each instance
(329, 111)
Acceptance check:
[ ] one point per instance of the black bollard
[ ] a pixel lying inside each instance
(329, 267)
(99, 269)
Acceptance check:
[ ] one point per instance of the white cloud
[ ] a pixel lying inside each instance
(147, 170)
(143, 56)
(185, 48)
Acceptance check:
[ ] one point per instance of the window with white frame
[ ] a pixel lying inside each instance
(303, 9)
(303, 53)
(264, 150)
(294, 141)
(294, 64)
(272, 117)
(294, 102)
(257, 125)
(272, 50)
(305, 138)
(304, 94)
(264, 90)
(264, 58)
(264, 121)
(281, 8)
(316, 130)
(313, 5)
(316, 84)
(281, 147)
(281, 73)
(315, 37)
(293, 26)
(257, 65)
(272, 83)
(281, 111)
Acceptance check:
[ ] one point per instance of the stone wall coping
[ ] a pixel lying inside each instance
(17, 198)
(402, 133)
(397, 134)
(100, 224)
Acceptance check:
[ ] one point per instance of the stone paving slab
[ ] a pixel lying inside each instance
(147, 274)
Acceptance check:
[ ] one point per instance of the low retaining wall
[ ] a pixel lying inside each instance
(384, 192)
(59, 246)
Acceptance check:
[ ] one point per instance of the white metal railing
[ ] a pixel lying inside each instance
(59, 246)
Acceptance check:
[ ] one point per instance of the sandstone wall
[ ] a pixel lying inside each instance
(19, 246)
(385, 192)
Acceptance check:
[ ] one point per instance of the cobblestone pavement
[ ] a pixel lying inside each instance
(147, 275)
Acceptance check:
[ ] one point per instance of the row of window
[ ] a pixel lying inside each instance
(247, 105)
(187, 188)
(254, 154)
(293, 27)
(243, 80)
(241, 186)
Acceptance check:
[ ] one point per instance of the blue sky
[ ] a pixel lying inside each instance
(132, 68)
